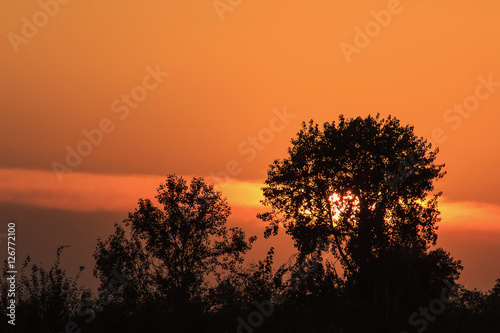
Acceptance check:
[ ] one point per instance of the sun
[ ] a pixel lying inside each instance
(339, 204)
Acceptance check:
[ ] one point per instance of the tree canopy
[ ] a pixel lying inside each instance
(173, 250)
(336, 183)
(339, 183)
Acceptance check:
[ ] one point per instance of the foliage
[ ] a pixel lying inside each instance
(180, 268)
(46, 299)
(334, 184)
(172, 251)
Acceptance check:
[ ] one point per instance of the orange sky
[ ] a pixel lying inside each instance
(234, 74)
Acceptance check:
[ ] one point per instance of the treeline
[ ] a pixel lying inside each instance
(174, 266)
(178, 268)
(298, 297)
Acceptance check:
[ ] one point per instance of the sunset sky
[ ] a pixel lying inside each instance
(101, 100)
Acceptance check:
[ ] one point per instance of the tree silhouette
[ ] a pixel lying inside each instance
(492, 313)
(361, 190)
(337, 183)
(170, 253)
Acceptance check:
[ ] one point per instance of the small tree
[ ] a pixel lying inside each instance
(170, 252)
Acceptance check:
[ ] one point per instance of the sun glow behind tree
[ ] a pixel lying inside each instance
(340, 204)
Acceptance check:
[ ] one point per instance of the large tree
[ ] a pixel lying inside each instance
(367, 186)
(171, 251)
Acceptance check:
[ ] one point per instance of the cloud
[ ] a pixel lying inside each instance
(85, 192)
(469, 215)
